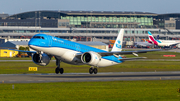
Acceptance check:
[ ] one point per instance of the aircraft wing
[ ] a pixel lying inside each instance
(143, 44)
(122, 52)
(126, 52)
(174, 44)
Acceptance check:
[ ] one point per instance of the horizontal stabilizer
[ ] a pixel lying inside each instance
(133, 58)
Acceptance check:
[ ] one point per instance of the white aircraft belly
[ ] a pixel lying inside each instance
(51, 50)
(105, 63)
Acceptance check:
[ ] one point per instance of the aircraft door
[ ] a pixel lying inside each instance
(78, 48)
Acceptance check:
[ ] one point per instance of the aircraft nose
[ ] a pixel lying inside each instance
(32, 42)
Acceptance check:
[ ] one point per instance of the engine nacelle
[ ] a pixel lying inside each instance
(91, 58)
(41, 59)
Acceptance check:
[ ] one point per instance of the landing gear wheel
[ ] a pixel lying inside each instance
(91, 70)
(57, 70)
(61, 70)
(170, 47)
(95, 70)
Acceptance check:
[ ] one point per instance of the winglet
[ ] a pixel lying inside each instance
(118, 44)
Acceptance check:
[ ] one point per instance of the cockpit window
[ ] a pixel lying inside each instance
(38, 37)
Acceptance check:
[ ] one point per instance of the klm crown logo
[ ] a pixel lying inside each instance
(118, 44)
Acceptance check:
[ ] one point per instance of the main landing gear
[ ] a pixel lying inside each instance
(58, 69)
(93, 70)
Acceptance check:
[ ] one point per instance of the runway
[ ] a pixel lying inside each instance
(85, 77)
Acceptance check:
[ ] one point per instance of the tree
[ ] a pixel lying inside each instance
(24, 49)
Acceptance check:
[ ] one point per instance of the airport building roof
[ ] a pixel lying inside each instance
(19, 42)
(104, 13)
(13, 44)
(168, 15)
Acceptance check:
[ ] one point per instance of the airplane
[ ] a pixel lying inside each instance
(162, 43)
(46, 46)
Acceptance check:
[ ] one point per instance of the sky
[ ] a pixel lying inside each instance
(153, 6)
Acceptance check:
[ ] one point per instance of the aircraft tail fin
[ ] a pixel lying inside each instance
(152, 39)
(118, 43)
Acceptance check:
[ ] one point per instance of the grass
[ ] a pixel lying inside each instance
(157, 55)
(93, 91)
(128, 66)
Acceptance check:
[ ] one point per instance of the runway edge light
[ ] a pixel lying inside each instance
(33, 69)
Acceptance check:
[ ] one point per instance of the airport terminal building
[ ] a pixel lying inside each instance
(87, 25)
(92, 19)
(82, 19)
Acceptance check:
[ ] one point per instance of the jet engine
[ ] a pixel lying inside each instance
(91, 58)
(41, 59)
